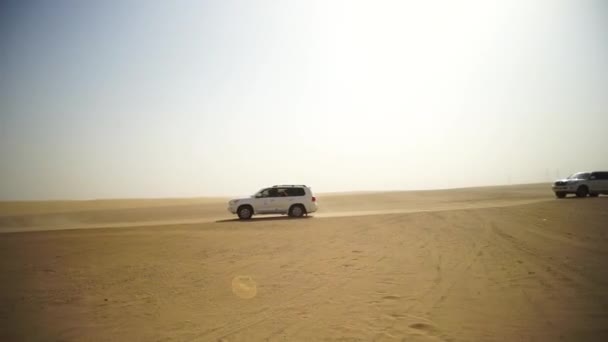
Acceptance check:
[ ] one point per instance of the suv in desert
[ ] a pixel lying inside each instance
(582, 184)
(293, 200)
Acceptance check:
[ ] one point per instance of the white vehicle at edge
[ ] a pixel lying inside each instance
(293, 200)
(582, 184)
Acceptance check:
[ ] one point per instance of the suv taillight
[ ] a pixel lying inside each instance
(314, 199)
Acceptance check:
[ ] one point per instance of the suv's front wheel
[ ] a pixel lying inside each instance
(582, 191)
(560, 194)
(245, 212)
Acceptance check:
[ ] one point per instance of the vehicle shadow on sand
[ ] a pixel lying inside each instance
(600, 197)
(259, 219)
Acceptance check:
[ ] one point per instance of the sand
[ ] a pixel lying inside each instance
(480, 264)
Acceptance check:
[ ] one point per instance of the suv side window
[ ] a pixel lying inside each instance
(295, 191)
(270, 192)
(599, 176)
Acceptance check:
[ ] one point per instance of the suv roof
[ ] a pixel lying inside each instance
(289, 185)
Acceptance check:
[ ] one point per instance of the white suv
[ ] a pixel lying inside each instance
(582, 184)
(293, 200)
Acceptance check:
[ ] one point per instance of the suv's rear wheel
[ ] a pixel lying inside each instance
(245, 212)
(297, 210)
(560, 194)
(582, 191)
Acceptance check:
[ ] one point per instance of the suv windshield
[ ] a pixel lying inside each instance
(580, 175)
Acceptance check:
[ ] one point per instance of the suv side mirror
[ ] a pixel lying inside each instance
(592, 178)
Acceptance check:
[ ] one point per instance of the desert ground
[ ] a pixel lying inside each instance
(505, 263)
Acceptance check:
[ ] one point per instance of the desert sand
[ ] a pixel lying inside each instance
(479, 264)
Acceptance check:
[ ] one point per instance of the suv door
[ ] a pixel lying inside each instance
(284, 200)
(594, 182)
(602, 180)
(265, 201)
(292, 195)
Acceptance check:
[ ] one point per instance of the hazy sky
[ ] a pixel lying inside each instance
(201, 98)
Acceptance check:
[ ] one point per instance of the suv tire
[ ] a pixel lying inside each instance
(560, 194)
(245, 212)
(297, 210)
(582, 191)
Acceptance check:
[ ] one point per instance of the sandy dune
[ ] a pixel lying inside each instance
(484, 264)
